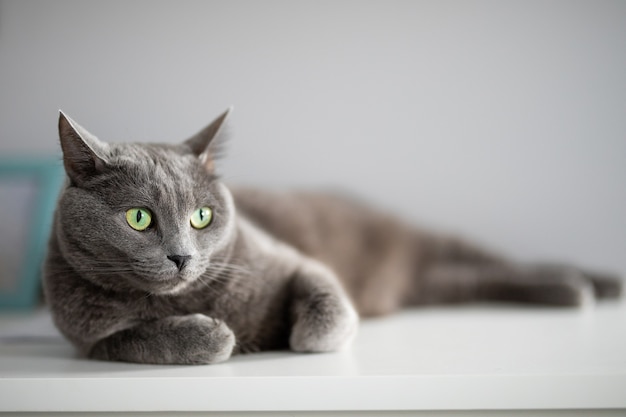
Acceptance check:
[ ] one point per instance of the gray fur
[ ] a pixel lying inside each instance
(272, 270)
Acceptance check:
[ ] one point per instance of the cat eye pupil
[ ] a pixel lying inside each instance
(139, 216)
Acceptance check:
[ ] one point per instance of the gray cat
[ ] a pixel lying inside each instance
(153, 259)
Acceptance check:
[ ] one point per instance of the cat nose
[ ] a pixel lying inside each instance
(179, 260)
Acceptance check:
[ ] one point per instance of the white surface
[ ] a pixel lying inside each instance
(501, 119)
(469, 358)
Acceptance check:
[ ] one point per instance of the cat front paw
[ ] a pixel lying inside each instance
(324, 323)
(202, 339)
(183, 340)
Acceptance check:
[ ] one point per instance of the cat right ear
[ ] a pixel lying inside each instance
(83, 153)
(208, 143)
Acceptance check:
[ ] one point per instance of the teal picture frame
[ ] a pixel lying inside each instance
(47, 175)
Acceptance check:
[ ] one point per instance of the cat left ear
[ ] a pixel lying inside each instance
(83, 153)
(207, 143)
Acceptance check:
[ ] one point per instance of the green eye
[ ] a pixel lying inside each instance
(201, 218)
(139, 218)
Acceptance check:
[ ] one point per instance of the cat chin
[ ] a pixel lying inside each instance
(173, 290)
(165, 290)
(169, 286)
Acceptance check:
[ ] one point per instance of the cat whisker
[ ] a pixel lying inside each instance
(224, 278)
(229, 267)
(214, 291)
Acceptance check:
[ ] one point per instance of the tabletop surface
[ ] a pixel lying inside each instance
(445, 358)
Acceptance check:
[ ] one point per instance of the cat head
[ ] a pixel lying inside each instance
(152, 217)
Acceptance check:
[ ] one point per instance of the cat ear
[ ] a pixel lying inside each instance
(83, 153)
(207, 143)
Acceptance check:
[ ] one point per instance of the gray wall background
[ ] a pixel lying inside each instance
(500, 120)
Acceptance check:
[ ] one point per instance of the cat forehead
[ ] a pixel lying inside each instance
(152, 157)
(161, 178)
(158, 165)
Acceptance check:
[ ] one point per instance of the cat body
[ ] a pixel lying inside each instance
(132, 275)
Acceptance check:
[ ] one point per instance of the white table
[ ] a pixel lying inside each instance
(447, 361)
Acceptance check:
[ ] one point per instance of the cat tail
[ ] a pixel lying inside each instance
(451, 270)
